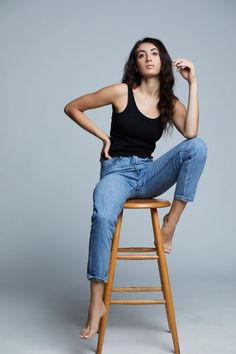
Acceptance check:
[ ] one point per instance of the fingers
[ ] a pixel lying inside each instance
(182, 63)
(106, 148)
(179, 64)
(178, 61)
(106, 155)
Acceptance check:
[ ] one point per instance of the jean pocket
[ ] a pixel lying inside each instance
(109, 162)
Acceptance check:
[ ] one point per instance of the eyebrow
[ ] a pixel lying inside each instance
(141, 50)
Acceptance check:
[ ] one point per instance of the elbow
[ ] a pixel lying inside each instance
(190, 136)
(66, 109)
(69, 109)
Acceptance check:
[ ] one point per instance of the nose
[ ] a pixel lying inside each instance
(147, 58)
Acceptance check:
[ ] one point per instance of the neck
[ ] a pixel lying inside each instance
(150, 87)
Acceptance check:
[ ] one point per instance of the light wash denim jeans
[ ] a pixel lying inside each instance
(123, 178)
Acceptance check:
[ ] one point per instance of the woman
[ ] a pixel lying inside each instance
(144, 106)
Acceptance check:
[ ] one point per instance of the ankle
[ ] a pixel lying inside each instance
(96, 302)
(172, 219)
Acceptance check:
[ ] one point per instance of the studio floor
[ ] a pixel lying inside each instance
(49, 323)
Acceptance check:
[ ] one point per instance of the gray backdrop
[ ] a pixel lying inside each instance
(55, 51)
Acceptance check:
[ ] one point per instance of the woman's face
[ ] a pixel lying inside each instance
(148, 60)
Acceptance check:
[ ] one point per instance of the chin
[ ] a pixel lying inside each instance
(149, 75)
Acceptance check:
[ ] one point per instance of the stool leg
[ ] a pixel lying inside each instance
(165, 280)
(109, 284)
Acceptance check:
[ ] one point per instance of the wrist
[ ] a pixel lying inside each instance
(193, 82)
(101, 135)
(105, 139)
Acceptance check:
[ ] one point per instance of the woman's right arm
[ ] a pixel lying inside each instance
(75, 109)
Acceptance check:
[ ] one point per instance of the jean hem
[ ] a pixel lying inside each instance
(98, 279)
(184, 199)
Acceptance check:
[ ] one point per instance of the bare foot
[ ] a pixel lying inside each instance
(96, 311)
(167, 232)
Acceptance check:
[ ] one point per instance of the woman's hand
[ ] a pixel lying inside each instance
(186, 69)
(105, 149)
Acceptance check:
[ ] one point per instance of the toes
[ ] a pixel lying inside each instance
(85, 335)
(83, 332)
(167, 249)
(90, 332)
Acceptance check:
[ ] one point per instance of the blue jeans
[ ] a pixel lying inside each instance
(123, 178)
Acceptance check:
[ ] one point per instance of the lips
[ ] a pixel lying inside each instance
(150, 66)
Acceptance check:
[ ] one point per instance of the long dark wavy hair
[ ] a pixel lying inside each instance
(132, 78)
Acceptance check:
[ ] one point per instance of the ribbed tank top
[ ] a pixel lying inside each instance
(131, 132)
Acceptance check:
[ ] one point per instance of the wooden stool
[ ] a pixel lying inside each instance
(165, 288)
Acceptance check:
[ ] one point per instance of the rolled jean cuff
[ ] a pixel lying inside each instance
(97, 279)
(184, 199)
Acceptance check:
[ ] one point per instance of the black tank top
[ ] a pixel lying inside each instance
(132, 133)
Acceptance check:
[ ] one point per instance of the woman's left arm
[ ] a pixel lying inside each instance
(186, 121)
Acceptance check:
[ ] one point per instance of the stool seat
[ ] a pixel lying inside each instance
(140, 203)
(146, 203)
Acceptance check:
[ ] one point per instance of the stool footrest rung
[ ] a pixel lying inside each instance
(136, 249)
(137, 289)
(137, 302)
(136, 257)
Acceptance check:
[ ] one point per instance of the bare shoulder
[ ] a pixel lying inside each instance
(102, 97)
(120, 87)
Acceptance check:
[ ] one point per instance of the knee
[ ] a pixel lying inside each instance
(198, 146)
(103, 216)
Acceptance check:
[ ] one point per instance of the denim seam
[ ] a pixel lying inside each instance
(182, 197)
(185, 174)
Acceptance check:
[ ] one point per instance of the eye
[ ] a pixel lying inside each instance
(155, 53)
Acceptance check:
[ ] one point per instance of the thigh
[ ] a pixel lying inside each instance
(110, 194)
(162, 173)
